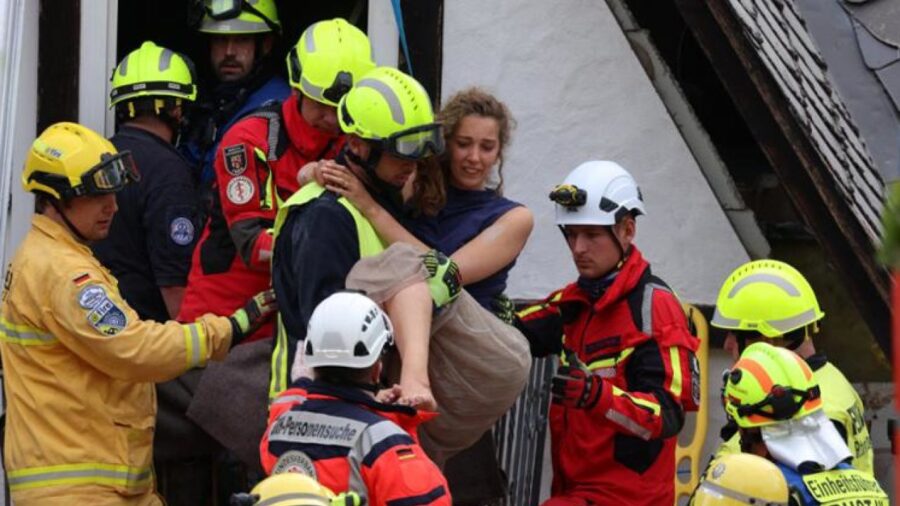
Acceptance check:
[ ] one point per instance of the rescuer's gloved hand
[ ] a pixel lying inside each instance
(504, 308)
(256, 311)
(444, 280)
(574, 385)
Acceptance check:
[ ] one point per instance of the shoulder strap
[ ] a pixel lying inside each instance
(640, 300)
(276, 136)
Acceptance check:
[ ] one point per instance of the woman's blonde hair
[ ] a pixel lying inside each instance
(430, 194)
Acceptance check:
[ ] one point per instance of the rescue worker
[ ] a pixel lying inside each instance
(771, 301)
(463, 362)
(152, 235)
(81, 403)
(150, 243)
(242, 36)
(627, 371)
(257, 164)
(741, 478)
(350, 441)
(293, 489)
(775, 400)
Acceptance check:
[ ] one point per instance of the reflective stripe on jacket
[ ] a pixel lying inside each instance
(81, 402)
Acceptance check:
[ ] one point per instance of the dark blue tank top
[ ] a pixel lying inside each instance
(467, 214)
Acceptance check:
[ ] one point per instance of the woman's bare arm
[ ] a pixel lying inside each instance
(495, 247)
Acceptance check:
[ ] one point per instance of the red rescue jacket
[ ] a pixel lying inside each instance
(256, 168)
(635, 336)
(348, 441)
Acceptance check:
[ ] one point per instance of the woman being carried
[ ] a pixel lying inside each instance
(457, 211)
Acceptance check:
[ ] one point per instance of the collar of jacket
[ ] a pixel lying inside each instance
(817, 361)
(58, 232)
(404, 416)
(628, 277)
(308, 140)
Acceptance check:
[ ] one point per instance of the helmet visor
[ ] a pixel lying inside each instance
(110, 175)
(416, 143)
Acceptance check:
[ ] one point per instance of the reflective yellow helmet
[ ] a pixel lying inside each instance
(328, 59)
(766, 296)
(741, 478)
(768, 385)
(293, 489)
(152, 71)
(240, 17)
(393, 111)
(70, 160)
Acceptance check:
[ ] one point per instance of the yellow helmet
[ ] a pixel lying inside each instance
(328, 59)
(240, 17)
(742, 478)
(391, 109)
(768, 385)
(293, 489)
(70, 160)
(152, 71)
(766, 296)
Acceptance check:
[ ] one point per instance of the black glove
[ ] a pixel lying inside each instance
(444, 279)
(503, 308)
(256, 311)
(574, 385)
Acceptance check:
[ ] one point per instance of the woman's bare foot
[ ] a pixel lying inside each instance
(417, 395)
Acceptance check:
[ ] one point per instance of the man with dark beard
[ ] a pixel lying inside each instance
(240, 52)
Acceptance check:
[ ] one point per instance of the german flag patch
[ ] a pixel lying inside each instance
(405, 454)
(81, 279)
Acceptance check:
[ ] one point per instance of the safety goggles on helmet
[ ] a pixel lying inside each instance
(223, 10)
(781, 403)
(415, 143)
(109, 176)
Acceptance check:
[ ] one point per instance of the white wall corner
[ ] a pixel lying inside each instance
(97, 59)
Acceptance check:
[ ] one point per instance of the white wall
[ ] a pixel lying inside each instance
(579, 93)
(18, 117)
(97, 53)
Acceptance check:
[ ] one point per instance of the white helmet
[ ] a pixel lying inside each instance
(597, 193)
(346, 330)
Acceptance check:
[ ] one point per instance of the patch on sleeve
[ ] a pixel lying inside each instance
(102, 313)
(181, 231)
(295, 462)
(240, 190)
(81, 279)
(235, 159)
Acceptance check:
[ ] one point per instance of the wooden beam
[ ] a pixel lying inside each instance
(59, 34)
(793, 158)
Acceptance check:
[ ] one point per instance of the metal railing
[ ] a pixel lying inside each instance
(520, 435)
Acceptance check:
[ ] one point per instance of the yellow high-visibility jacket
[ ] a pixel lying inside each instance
(79, 368)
